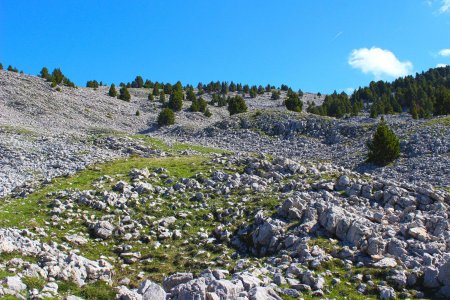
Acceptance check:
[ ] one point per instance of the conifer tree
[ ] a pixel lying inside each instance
(236, 105)
(44, 73)
(293, 102)
(166, 117)
(384, 147)
(124, 94)
(162, 97)
(176, 100)
(112, 90)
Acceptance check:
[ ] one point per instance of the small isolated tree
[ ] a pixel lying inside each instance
(57, 76)
(124, 94)
(384, 147)
(236, 105)
(207, 113)
(1, 66)
(176, 100)
(199, 105)
(92, 84)
(276, 95)
(44, 73)
(151, 97)
(166, 117)
(293, 102)
(112, 90)
(138, 113)
(162, 97)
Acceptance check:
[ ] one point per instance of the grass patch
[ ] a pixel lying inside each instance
(34, 282)
(445, 121)
(99, 290)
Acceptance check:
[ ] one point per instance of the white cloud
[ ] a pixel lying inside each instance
(444, 52)
(445, 6)
(379, 62)
(441, 65)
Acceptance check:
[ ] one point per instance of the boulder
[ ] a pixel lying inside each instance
(103, 229)
(151, 291)
(176, 279)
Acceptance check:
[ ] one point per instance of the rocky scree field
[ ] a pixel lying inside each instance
(98, 203)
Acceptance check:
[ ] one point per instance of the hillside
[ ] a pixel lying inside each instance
(98, 202)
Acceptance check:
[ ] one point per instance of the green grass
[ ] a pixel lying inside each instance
(4, 274)
(445, 121)
(17, 130)
(34, 282)
(99, 290)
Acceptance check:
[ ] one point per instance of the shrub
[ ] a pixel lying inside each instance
(190, 96)
(176, 100)
(199, 105)
(166, 117)
(151, 97)
(138, 113)
(276, 95)
(384, 147)
(92, 84)
(124, 94)
(68, 83)
(112, 90)
(202, 104)
(293, 103)
(236, 105)
(11, 69)
(207, 113)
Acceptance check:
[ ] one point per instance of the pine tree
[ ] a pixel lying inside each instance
(176, 100)
(124, 94)
(92, 84)
(166, 117)
(57, 76)
(44, 73)
(413, 111)
(293, 102)
(162, 97)
(112, 90)
(275, 95)
(384, 147)
(151, 97)
(1, 66)
(236, 105)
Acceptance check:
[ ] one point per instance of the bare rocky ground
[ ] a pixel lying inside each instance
(94, 207)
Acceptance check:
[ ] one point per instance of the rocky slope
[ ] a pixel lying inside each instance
(92, 209)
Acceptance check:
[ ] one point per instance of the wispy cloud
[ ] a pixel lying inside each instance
(337, 35)
(444, 52)
(441, 65)
(379, 62)
(445, 6)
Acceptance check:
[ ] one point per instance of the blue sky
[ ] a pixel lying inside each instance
(312, 45)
